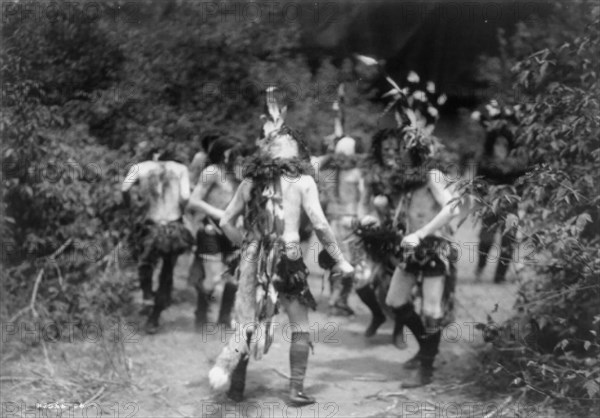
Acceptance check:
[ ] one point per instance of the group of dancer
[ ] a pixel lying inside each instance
(385, 230)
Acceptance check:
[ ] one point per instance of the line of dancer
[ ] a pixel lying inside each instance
(399, 195)
(385, 232)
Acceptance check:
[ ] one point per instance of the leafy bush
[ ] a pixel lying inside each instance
(50, 181)
(554, 68)
(85, 97)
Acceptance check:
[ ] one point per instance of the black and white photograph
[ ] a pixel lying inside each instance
(289, 208)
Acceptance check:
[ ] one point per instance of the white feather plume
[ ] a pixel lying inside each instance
(366, 60)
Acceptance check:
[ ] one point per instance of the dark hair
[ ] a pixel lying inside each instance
(358, 145)
(149, 155)
(417, 154)
(167, 153)
(303, 152)
(246, 149)
(380, 136)
(209, 138)
(216, 154)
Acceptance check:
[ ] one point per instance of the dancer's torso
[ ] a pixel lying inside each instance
(283, 206)
(222, 187)
(420, 208)
(160, 183)
(345, 202)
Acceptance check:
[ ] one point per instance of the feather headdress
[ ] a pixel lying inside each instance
(415, 107)
(274, 118)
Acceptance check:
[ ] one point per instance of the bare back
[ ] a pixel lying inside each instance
(348, 194)
(297, 193)
(291, 192)
(165, 184)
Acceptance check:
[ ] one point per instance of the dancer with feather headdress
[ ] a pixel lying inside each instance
(421, 289)
(501, 164)
(165, 184)
(271, 270)
(342, 196)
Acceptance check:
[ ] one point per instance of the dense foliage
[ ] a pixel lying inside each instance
(84, 96)
(88, 89)
(552, 347)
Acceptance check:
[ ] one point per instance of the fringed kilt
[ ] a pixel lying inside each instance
(434, 257)
(157, 240)
(291, 281)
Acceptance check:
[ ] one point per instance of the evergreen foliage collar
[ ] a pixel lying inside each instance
(343, 161)
(384, 181)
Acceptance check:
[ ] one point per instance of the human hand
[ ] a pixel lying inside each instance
(369, 220)
(411, 240)
(343, 268)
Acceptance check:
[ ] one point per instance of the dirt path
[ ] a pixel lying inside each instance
(349, 375)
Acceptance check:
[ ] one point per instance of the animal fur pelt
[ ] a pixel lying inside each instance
(256, 299)
(244, 316)
(255, 305)
(380, 242)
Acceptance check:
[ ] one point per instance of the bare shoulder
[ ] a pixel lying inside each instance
(305, 183)
(436, 178)
(210, 173)
(244, 189)
(144, 168)
(306, 180)
(200, 159)
(147, 165)
(438, 183)
(175, 167)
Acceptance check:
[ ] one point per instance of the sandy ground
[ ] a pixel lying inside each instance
(349, 375)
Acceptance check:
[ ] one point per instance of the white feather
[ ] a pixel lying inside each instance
(420, 95)
(219, 379)
(413, 77)
(277, 114)
(433, 112)
(393, 92)
(366, 60)
(492, 109)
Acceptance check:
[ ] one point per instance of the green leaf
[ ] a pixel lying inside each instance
(592, 388)
(562, 344)
(582, 220)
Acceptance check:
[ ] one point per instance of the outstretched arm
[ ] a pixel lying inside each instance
(312, 207)
(207, 179)
(184, 187)
(363, 201)
(450, 210)
(317, 162)
(365, 211)
(198, 164)
(233, 211)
